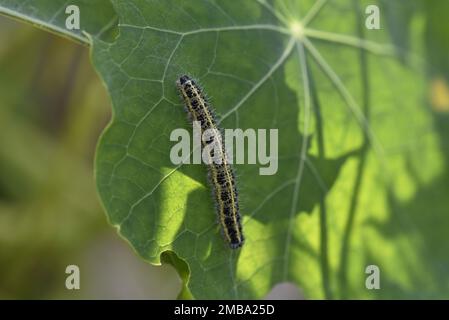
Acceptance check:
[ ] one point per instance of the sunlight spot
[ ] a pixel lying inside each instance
(172, 203)
(260, 249)
(405, 186)
(297, 29)
(439, 94)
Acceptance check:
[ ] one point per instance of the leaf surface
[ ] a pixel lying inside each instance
(352, 129)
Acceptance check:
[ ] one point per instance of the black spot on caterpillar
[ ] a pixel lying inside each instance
(221, 174)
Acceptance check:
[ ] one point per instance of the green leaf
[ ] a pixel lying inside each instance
(97, 17)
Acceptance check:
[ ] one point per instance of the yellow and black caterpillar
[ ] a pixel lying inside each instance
(221, 173)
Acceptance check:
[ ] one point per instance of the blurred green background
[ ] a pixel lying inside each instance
(52, 109)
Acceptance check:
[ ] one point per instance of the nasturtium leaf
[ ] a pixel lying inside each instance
(352, 126)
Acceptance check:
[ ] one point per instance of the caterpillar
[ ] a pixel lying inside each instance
(221, 174)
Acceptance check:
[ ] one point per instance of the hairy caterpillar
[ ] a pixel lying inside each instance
(221, 173)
